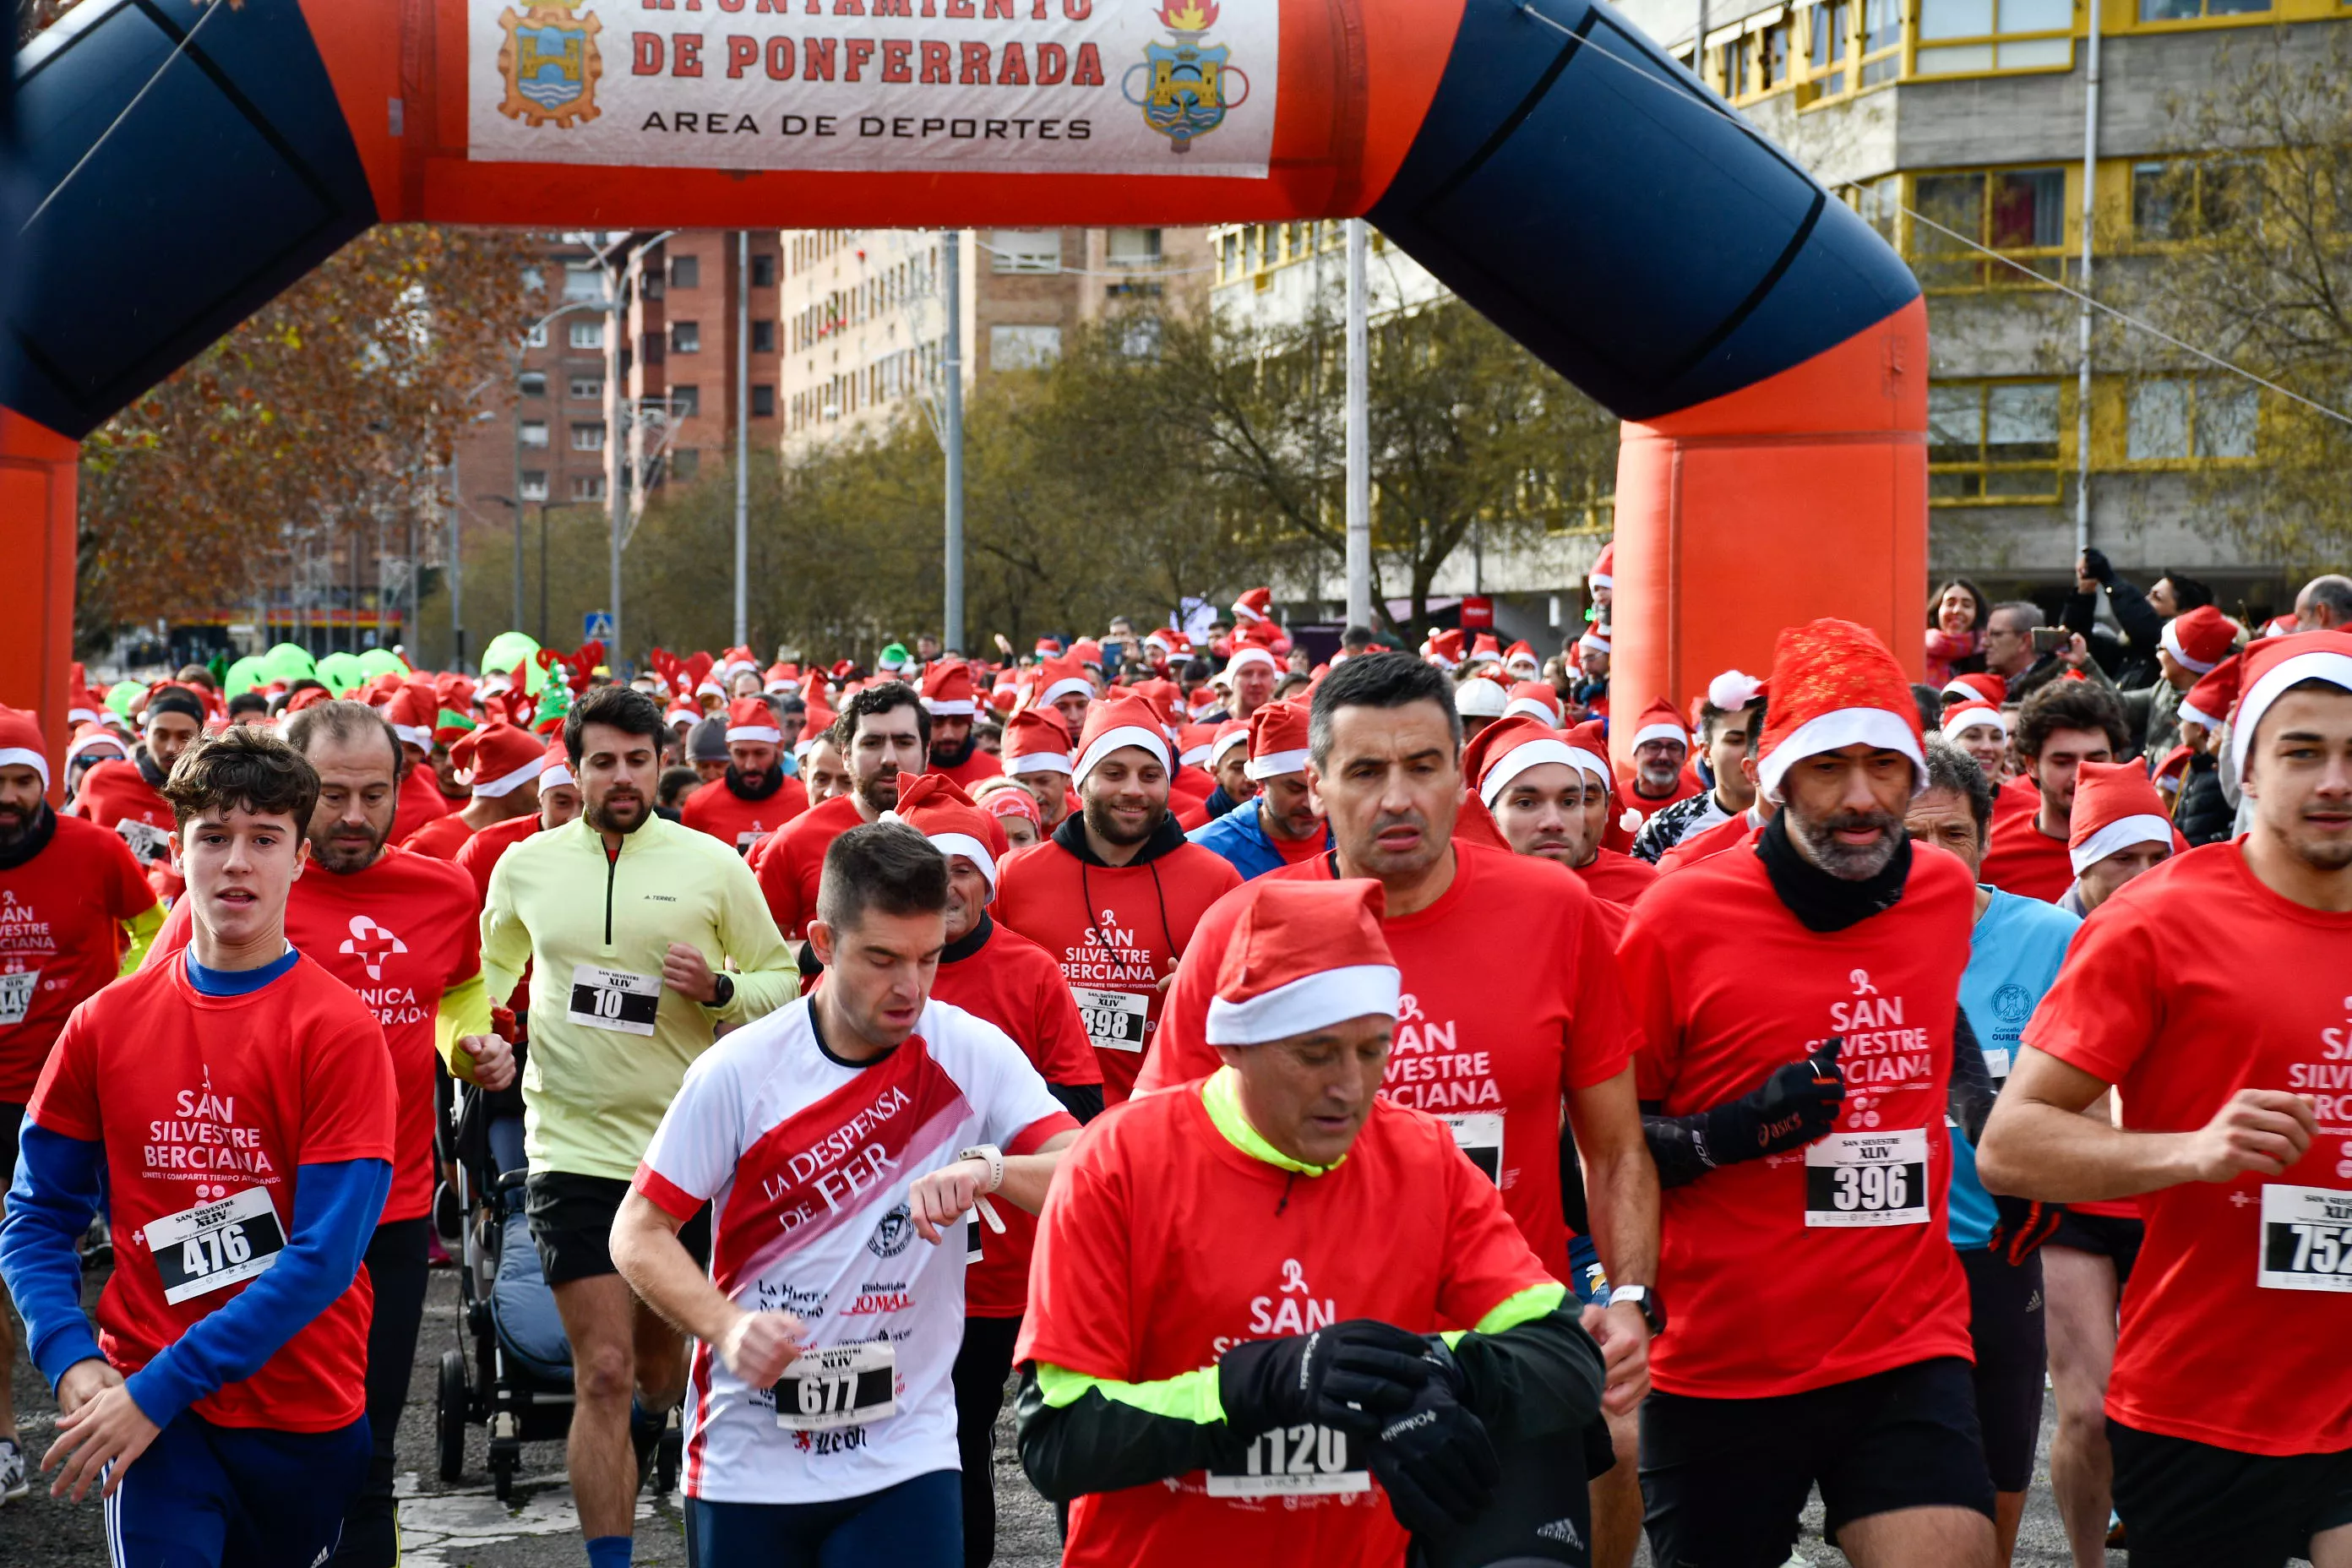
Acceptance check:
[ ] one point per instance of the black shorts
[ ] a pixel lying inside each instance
(2185, 1502)
(571, 1220)
(2005, 1322)
(2102, 1236)
(1725, 1480)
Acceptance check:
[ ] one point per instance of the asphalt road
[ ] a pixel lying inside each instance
(463, 1526)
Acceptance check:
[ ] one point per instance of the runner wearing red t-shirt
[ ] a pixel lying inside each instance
(754, 796)
(1549, 797)
(2209, 994)
(1494, 1050)
(2062, 726)
(1798, 1005)
(884, 733)
(559, 803)
(127, 797)
(232, 1112)
(1657, 778)
(400, 930)
(954, 751)
(1115, 891)
(500, 764)
(1224, 1349)
(414, 715)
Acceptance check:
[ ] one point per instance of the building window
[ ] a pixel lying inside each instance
(587, 487)
(1023, 348)
(587, 336)
(763, 403)
(583, 280)
(532, 433)
(686, 336)
(534, 484)
(2200, 195)
(685, 402)
(1026, 250)
(2190, 10)
(2019, 212)
(588, 388)
(763, 337)
(531, 383)
(1772, 57)
(537, 337)
(2176, 419)
(1133, 247)
(1882, 40)
(1832, 30)
(1962, 37)
(1993, 441)
(763, 272)
(686, 272)
(588, 437)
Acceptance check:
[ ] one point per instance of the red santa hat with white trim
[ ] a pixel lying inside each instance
(95, 741)
(935, 807)
(2200, 638)
(783, 676)
(2210, 701)
(2274, 664)
(1443, 648)
(947, 691)
(1304, 956)
(412, 713)
(1982, 686)
(1247, 654)
(497, 760)
(1278, 741)
(1596, 638)
(1537, 699)
(1257, 604)
(1231, 734)
(1192, 742)
(1834, 685)
(1521, 660)
(1485, 649)
(555, 767)
(1036, 742)
(1589, 742)
(1114, 724)
(1063, 676)
(1962, 717)
(1659, 722)
(21, 744)
(1509, 747)
(2115, 808)
(1604, 568)
(750, 719)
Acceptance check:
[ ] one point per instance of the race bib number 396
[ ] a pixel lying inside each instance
(2306, 1239)
(1867, 1179)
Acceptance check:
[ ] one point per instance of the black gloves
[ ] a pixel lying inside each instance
(1797, 1104)
(1435, 1463)
(1351, 1376)
(2096, 565)
(2022, 1225)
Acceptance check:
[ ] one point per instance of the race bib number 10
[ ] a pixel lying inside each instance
(1292, 1461)
(615, 999)
(840, 1385)
(1113, 1018)
(2306, 1239)
(1867, 1179)
(213, 1245)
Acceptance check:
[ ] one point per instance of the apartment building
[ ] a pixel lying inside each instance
(684, 334)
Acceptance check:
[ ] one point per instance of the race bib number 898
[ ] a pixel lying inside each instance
(1114, 1019)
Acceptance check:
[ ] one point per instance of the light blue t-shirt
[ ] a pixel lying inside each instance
(2013, 955)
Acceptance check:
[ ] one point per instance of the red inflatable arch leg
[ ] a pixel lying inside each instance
(37, 469)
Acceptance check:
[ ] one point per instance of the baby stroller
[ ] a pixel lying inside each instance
(512, 1371)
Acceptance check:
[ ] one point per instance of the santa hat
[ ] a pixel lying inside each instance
(449, 724)
(2116, 807)
(710, 687)
(1064, 679)
(738, 659)
(682, 713)
(1596, 638)
(1484, 649)
(750, 719)
(20, 744)
(2281, 625)
(2276, 664)
(555, 767)
(1961, 716)
(1660, 722)
(1164, 695)
(1520, 660)
(1835, 685)
(936, 807)
(413, 713)
(1443, 648)
(815, 724)
(1193, 741)
(1012, 801)
(1036, 742)
(1733, 690)
(1479, 698)
(309, 697)
(1304, 955)
(1257, 604)
(95, 741)
(2210, 701)
(947, 691)
(1277, 739)
(1120, 721)
(1509, 747)
(1589, 742)
(1231, 734)
(1604, 567)
(498, 760)
(1537, 699)
(2198, 639)
(1247, 654)
(1983, 685)
(783, 676)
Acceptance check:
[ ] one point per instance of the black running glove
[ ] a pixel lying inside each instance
(1797, 1105)
(1435, 1463)
(1349, 1376)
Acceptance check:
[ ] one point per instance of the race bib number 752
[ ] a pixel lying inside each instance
(2306, 1239)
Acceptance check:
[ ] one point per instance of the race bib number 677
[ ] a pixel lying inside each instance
(2306, 1239)
(840, 1385)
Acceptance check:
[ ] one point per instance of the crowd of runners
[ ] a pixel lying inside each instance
(1375, 1109)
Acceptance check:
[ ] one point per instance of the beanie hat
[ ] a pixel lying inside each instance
(1117, 722)
(1036, 742)
(1509, 747)
(1537, 699)
(2200, 638)
(2276, 663)
(706, 741)
(936, 807)
(20, 744)
(1277, 739)
(2116, 807)
(497, 760)
(1304, 955)
(1834, 685)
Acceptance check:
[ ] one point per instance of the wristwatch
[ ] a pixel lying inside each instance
(989, 1156)
(722, 989)
(1646, 1299)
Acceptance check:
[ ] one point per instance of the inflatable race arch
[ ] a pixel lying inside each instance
(1765, 348)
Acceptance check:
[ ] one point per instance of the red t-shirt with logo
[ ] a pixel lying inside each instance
(204, 1099)
(1616, 877)
(1163, 1246)
(791, 862)
(61, 915)
(2022, 859)
(480, 855)
(421, 801)
(1829, 1263)
(721, 813)
(1491, 1046)
(1116, 931)
(399, 934)
(440, 838)
(1009, 981)
(2193, 981)
(115, 794)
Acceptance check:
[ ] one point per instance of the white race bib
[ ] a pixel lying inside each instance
(840, 1385)
(213, 1245)
(1113, 1018)
(747, 842)
(1291, 1461)
(1479, 1135)
(150, 845)
(615, 999)
(1867, 1179)
(16, 993)
(2306, 1239)
(1997, 1060)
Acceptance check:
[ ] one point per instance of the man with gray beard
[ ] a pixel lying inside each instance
(1798, 1003)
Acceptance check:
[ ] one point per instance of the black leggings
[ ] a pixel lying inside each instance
(2005, 1320)
(981, 1369)
(395, 1265)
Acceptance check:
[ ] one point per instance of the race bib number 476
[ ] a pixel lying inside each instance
(2306, 1239)
(213, 1245)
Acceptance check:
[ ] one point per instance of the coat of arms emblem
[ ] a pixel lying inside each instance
(549, 63)
(1185, 79)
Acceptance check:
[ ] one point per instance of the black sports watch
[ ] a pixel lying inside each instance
(722, 986)
(1646, 1299)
